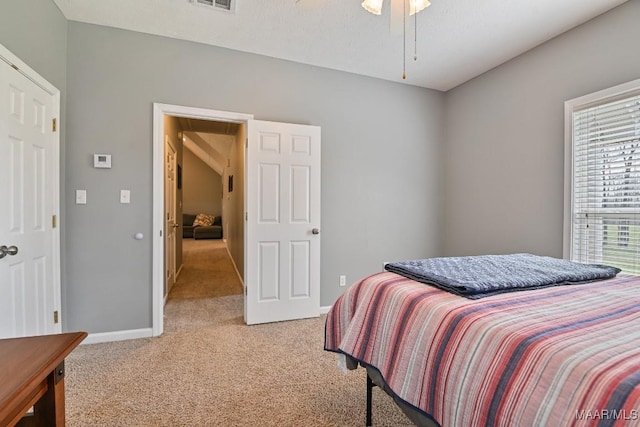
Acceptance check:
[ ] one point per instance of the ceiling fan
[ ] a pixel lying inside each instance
(400, 10)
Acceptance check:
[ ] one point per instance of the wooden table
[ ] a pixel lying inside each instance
(32, 375)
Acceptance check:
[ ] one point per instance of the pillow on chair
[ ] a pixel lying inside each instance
(203, 220)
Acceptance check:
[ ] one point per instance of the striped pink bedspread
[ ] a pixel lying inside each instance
(560, 356)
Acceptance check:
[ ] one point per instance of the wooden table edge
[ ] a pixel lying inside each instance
(26, 393)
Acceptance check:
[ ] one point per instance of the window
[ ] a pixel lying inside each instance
(602, 216)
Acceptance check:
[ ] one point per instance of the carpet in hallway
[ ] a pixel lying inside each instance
(207, 271)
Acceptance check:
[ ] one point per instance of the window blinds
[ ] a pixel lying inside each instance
(606, 184)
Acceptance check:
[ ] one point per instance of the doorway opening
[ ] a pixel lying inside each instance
(205, 254)
(179, 129)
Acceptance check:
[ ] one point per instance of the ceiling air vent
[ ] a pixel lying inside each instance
(223, 5)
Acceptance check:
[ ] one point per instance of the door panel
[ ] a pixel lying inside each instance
(269, 183)
(282, 269)
(27, 285)
(300, 269)
(269, 271)
(170, 214)
(300, 195)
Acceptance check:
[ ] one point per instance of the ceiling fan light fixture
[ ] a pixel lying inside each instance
(373, 6)
(416, 6)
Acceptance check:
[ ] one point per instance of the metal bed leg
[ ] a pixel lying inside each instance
(370, 386)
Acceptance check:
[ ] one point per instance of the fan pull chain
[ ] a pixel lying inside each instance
(404, 40)
(415, 36)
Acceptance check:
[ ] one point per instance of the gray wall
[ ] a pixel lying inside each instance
(504, 151)
(36, 32)
(201, 186)
(381, 152)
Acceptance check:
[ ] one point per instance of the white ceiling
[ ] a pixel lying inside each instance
(457, 39)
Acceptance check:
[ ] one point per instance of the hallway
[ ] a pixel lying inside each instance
(207, 271)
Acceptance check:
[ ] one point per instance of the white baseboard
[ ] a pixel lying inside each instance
(118, 336)
(325, 310)
(235, 267)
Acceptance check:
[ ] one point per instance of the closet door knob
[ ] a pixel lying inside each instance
(11, 250)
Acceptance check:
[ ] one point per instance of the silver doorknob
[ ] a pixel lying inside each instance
(4, 251)
(315, 231)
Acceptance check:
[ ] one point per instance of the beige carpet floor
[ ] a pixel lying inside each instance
(207, 271)
(210, 369)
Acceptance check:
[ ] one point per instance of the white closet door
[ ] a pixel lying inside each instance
(28, 290)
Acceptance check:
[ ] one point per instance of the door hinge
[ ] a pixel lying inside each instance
(15, 67)
(54, 221)
(246, 216)
(55, 317)
(245, 291)
(54, 124)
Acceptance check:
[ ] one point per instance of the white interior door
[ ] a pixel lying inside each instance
(29, 290)
(282, 265)
(170, 214)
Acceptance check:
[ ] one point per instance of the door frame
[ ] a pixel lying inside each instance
(159, 112)
(16, 63)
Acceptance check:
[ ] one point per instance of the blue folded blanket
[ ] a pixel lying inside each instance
(476, 277)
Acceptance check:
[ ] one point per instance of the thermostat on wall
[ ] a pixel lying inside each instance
(102, 161)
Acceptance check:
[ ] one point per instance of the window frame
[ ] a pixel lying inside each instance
(593, 99)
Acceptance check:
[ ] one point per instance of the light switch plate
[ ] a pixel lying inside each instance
(81, 197)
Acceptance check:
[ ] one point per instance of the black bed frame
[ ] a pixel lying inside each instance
(418, 417)
(370, 386)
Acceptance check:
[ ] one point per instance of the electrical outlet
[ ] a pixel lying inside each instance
(343, 280)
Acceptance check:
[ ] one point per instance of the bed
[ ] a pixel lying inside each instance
(551, 356)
